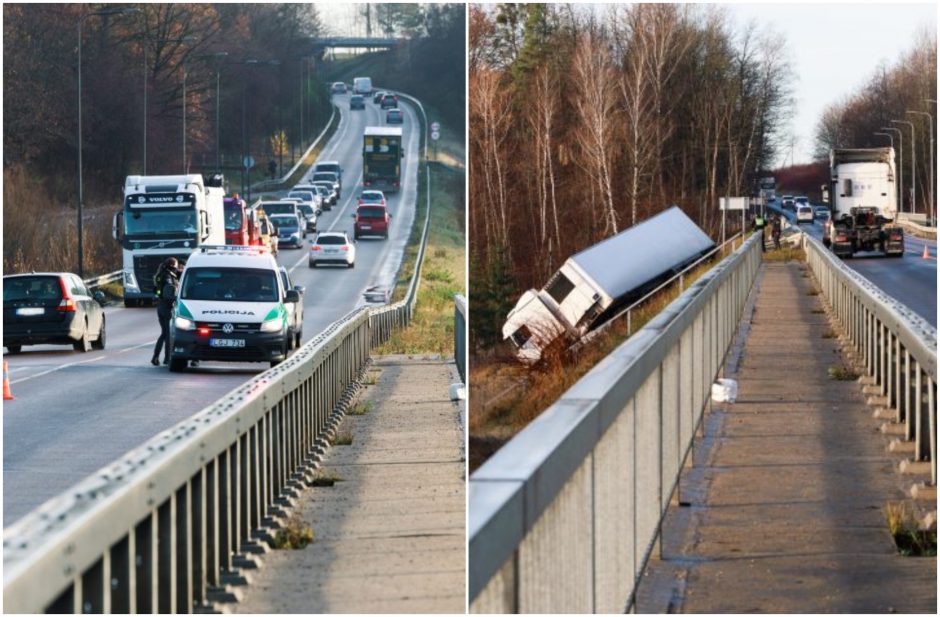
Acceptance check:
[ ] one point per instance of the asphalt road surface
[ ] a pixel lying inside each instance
(911, 280)
(75, 413)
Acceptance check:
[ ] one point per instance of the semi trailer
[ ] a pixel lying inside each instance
(591, 286)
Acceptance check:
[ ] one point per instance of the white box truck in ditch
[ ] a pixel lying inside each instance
(165, 216)
(592, 285)
(864, 204)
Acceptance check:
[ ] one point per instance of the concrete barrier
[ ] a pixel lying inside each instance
(897, 347)
(564, 517)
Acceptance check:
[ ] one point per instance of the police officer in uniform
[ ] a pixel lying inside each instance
(166, 282)
(759, 223)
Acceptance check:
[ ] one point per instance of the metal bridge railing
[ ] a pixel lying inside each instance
(564, 517)
(170, 522)
(897, 347)
(461, 319)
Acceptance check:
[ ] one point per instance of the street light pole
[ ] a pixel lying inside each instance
(913, 163)
(930, 121)
(81, 187)
(246, 185)
(220, 54)
(900, 168)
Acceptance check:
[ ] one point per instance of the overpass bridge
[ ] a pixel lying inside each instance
(618, 498)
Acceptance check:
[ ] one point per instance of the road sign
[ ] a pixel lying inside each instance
(248, 162)
(435, 126)
(734, 203)
(435, 135)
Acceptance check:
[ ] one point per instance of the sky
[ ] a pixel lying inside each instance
(834, 50)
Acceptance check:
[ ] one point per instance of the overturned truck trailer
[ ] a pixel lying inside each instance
(591, 286)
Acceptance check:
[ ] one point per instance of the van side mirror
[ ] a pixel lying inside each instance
(292, 295)
(117, 225)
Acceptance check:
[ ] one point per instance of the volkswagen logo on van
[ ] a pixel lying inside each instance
(228, 328)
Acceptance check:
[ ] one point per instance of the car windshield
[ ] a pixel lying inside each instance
(324, 176)
(161, 222)
(229, 285)
(372, 213)
(18, 288)
(326, 186)
(331, 240)
(284, 222)
(307, 209)
(233, 217)
(372, 196)
(802, 200)
(305, 195)
(394, 114)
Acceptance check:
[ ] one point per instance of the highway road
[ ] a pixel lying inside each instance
(75, 413)
(911, 280)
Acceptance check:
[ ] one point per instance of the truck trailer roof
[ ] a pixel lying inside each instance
(628, 260)
(383, 131)
(838, 156)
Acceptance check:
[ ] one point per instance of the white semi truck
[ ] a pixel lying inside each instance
(592, 285)
(165, 216)
(864, 203)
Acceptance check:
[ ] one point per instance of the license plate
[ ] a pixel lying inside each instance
(31, 310)
(226, 342)
(365, 227)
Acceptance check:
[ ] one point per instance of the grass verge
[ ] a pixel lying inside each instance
(444, 271)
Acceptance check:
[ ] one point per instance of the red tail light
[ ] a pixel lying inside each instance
(345, 248)
(316, 247)
(841, 238)
(67, 305)
(896, 235)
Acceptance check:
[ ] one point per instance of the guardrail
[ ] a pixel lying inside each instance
(168, 525)
(897, 346)
(564, 517)
(460, 335)
(265, 183)
(104, 279)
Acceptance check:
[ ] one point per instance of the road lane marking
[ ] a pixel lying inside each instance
(58, 368)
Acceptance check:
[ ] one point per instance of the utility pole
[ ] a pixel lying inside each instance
(913, 163)
(930, 198)
(900, 167)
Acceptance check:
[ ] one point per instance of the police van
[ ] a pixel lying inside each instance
(231, 307)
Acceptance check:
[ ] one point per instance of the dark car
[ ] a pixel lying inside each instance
(394, 116)
(357, 101)
(51, 308)
(389, 101)
(338, 88)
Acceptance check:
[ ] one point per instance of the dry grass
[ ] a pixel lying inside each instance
(295, 534)
(910, 540)
(785, 253)
(842, 372)
(443, 274)
(343, 439)
(39, 230)
(361, 408)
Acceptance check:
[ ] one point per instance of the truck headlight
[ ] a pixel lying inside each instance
(182, 323)
(272, 325)
(130, 282)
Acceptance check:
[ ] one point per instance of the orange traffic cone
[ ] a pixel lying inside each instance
(7, 395)
(926, 252)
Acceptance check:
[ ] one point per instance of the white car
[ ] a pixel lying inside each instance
(804, 214)
(308, 196)
(372, 197)
(332, 247)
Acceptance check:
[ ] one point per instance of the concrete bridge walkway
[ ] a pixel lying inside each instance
(390, 533)
(784, 509)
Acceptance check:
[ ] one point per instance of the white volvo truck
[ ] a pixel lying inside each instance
(864, 203)
(165, 216)
(592, 285)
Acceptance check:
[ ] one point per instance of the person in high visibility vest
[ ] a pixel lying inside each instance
(759, 223)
